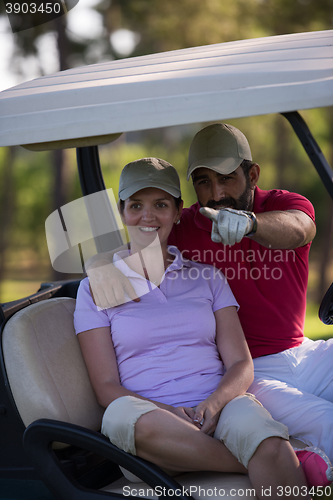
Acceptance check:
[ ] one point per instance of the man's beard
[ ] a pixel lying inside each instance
(244, 202)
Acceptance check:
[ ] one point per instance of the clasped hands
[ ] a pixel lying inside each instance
(205, 417)
(229, 225)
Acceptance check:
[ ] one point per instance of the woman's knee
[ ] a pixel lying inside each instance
(120, 418)
(116, 415)
(244, 424)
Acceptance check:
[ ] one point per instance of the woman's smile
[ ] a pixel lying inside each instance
(149, 229)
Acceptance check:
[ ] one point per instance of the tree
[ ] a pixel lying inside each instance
(26, 46)
(7, 205)
(180, 24)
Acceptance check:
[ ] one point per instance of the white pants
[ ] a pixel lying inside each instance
(296, 387)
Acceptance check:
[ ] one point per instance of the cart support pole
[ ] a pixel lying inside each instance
(311, 147)
(91, 179)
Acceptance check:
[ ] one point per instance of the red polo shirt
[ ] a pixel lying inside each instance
(269, 285)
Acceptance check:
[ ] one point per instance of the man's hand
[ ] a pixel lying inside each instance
(108, 286)
(229, 225)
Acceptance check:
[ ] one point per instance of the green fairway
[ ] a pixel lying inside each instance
(314, 328)
(16, 289)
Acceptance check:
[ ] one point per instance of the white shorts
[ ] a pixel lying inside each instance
(296, 387)
(243, 424)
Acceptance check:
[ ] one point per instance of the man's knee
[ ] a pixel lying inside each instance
(271, 449)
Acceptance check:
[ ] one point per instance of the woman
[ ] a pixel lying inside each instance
(172, 370)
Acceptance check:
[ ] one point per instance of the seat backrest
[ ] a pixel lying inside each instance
(45, 368)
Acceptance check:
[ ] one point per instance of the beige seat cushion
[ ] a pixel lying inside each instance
(205, 485)
(201, 485)
(46, 371)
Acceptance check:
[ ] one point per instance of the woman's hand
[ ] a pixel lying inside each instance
(183, 412)
(207, 415)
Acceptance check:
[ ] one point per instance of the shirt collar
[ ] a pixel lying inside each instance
(179, 261)
(119, 261)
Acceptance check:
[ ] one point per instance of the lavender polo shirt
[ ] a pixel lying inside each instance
(165, 344)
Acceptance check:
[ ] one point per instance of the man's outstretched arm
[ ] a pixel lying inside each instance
(284, 230)
(277, 229)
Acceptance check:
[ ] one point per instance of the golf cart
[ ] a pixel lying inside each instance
(49, 416)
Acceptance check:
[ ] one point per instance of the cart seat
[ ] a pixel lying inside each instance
(46, 372)
(52, 391)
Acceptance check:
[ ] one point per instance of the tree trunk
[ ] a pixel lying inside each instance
(7, 208)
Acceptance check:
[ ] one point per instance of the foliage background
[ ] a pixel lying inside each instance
(32, 185)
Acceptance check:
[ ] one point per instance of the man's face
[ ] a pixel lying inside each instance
(217, 191)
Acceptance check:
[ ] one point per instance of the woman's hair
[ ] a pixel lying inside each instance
(121, 204)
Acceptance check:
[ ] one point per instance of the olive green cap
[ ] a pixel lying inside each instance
(148, 172)
(220, 147)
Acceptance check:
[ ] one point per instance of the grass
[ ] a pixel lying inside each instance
(314, 328)
(16, 289)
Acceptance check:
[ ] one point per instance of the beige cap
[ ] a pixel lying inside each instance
(148, 172)
(220, 147)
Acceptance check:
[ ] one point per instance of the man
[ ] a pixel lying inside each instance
(261, 240)
(268, 259)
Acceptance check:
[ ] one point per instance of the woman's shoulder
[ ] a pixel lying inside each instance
(84, 284)
(83, 292)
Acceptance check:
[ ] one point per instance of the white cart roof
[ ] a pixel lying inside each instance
(215, 82)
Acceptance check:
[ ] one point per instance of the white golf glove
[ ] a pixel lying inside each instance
(229, 225)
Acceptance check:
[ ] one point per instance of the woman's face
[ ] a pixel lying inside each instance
(149, 213)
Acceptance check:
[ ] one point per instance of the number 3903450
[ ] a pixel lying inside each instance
(33, 8)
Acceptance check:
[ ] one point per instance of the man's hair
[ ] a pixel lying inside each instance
(246, 165)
